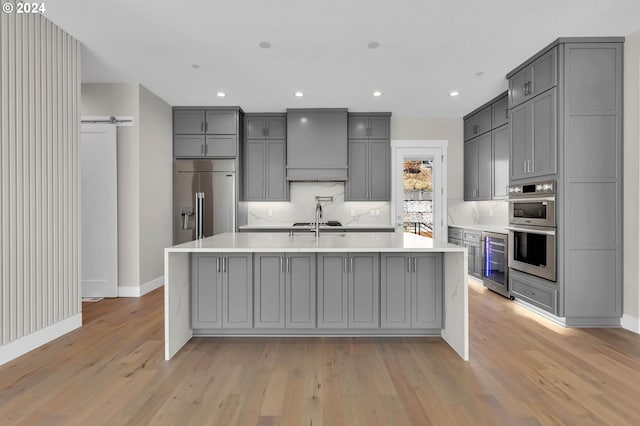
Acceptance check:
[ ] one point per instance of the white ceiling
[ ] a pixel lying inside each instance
(427, 48)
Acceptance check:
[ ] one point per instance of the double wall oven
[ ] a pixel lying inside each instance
(532, 228)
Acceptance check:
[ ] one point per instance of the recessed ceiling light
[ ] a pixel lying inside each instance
(479, 73)
(377, 93)
(196, 66)
(373, 45)
(299, 94)
(264, 44)
(221, 94)
(454, 93)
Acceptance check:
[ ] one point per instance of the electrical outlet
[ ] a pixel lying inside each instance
(490, 212)
(372, 212)
(353, 212)
(270, 213)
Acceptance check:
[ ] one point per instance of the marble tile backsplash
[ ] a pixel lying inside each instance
(460, 212)
(302, 207)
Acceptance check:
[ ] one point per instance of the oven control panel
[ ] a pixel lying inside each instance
(533, 189)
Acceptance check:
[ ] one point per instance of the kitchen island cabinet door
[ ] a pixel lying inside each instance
(206, 292)
(395, 288)
(269, 290)
(333, 283)
(300, 290)
(426, 291)
(364, 288)
(237, 272)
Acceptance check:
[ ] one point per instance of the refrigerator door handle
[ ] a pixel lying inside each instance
(199, 215)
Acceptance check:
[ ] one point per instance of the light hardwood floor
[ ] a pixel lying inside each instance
(524, 370)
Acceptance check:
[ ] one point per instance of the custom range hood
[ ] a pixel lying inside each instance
(317, 144)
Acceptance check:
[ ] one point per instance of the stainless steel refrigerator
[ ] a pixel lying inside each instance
(203, 199)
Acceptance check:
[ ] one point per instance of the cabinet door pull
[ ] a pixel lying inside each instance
(506, 113)
(206, 127)
(524, 166)
(345, 265)
(409, 264)
(533, 166)
(287, 263)
(415, 264)
(526, 89)
(206, 150)
(281, 265)
(218, 264)
(351, 264)
(224, 264)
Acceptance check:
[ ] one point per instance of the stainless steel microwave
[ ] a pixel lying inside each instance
(533, 204)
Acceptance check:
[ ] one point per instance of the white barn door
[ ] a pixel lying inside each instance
(99, 214)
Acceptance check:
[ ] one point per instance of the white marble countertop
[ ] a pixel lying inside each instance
(279, 242)
(478, 227)
(323, 228)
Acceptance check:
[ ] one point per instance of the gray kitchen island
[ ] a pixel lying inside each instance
(362, 284)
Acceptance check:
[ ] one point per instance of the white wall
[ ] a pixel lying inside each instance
(631, 268)
(144, 179)
(156, 183)
(39, 183)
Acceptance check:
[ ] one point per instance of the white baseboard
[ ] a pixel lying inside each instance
(13, 350)
(142, 290)
(630, 323)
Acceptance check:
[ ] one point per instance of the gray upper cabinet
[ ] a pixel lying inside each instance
(477, 123)
(206, 132)
(500, 148)
(410, 294)
(366, 125)
(188, 122)
(477, 168)
(220, 122)
(265, 158)
(500, 112)
(485, 166)
(265, 126)
(534, 137)
(369, 170)
(533, 79)
(369, 158)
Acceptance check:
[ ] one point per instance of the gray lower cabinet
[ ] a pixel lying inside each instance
(348, 290)
(222, 288)
(477, 168)
(534, 137)
(285, 290)
(411, 291)
(538, 292)
(472, 240)
(369, 170)
(265, 170)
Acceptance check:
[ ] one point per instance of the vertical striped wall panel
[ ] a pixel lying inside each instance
(39, 175)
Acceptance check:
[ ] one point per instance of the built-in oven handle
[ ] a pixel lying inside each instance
(530, 230)
(525, 199)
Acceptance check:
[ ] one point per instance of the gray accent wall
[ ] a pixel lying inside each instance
(39, 177)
